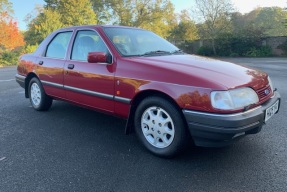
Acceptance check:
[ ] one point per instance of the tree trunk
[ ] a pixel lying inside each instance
(213, 46)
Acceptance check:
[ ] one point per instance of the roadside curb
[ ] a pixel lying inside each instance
(5, 66)
(254, 60)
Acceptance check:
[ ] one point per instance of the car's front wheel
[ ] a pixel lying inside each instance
(160, 127)
(38, 98)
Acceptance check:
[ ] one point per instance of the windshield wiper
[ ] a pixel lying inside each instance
(161, 52)
(178, 51)
(158, 52)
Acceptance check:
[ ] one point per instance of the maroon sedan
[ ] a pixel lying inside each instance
(168, 97)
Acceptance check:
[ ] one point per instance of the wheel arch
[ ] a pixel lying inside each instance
(27, 81)
(138, 98)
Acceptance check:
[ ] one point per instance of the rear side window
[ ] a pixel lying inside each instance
(59, 45)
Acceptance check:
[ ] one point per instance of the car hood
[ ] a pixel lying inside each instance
(201, 71)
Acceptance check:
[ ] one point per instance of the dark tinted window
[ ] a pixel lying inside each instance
(85, 42)
(59, 45)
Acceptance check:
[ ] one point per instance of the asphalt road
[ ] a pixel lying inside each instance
(74, 149)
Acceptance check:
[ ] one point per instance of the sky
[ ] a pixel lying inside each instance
(23, 7)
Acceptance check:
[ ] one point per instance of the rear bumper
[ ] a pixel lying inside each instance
(21, 80)
(217, 130)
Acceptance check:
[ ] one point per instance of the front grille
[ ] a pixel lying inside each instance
(262, 93)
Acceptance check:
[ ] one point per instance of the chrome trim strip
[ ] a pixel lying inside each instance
(122, 99)
(221, 115)
(93, 93)
(20, 78)
(52, 84)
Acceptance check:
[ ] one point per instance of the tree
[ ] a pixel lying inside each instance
(104, 13)
(260, 22)
(11, 39)
(160, 19)
(76, 12)
(271, 20)
(186, 29)
(52, 4)
(73, 12)
(215, 15)
(155, 15)
(57, 14)
(243, 26)
(47, 21)
(10, 36)
(6, 7)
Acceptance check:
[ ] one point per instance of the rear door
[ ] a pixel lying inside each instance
(89, 84)
(51, 65)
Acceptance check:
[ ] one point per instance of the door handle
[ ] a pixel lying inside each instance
(71, 66)
(41, 62)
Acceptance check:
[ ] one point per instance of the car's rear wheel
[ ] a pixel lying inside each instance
(38, 98)
(160, 127)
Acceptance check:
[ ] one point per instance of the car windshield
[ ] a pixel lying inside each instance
(138, 42)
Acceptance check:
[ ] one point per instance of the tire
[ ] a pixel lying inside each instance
(160, 127)
(38, 98)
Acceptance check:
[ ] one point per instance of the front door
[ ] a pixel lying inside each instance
(89, 84)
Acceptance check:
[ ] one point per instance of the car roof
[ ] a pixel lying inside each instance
(95, 26)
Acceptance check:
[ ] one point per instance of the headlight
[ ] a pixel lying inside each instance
(271, 84)
(233, 99)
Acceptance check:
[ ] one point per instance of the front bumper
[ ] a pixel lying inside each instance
(217, 130)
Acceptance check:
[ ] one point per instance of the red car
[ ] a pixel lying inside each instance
(168, 97)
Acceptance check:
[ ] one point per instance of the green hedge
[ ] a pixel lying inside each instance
(283, 47)
(237, 47)
(10, 57)
(205, 51)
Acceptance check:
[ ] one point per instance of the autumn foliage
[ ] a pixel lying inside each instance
(10, 36)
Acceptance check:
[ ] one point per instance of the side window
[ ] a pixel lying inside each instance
(57, 48)
(85, 42)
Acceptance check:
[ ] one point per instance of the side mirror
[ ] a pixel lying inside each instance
(97, 57)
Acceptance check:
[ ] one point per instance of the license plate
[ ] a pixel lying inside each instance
(271, 111)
